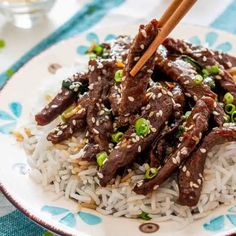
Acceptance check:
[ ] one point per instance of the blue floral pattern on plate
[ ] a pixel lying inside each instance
(69, 218)
(93, 37)
(218, 223)
(8, 120)
(211, 42)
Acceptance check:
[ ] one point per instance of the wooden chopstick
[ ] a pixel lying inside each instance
(169, 12)
(175, 18)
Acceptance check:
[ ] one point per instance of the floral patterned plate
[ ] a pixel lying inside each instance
(61, 215)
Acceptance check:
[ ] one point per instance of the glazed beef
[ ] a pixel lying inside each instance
(183, 73)
(64, 99)
(196, 125)
(206, 58)
(133, 89)
(158, 111)
(191, 174)
(74, 124)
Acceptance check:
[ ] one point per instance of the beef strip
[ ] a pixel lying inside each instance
(191, 174)
(101, 74)
(61, 101)
(133, 88)
(225, 59)
(206, 58)
(158, 111)
(75, 123)
(183, 73)
(90, 151)
(196, 125)
(162, 143)
(100, 125)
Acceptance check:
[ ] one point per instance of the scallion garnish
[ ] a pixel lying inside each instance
(151, 173)
(233, 117)
(101, 157)
(187, 114)
(142, 127)
(118, 76)
(228, 98)
(229, 108)
(116, 137)
(198, 79)
(144, 216)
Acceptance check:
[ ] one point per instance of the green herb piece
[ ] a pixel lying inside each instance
(213, 70)
(181, 130)
(47, 233)
(101, 157)
(228, 98)
(142, 127)
(229, 108)
(193, 62)
(98, 49)
(198, 79)
(227, 118)
(118, 76)
(187, 114)
(116, 137)
(151, 173)
(92, 56)
(144, 216)
(233, 117)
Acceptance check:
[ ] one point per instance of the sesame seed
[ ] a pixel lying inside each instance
(144, 33)
(174, 160)
(150, 71)
(97, 123)
(129, 146)
(93, 119)
(161, 112)
(131, 99)
(59, 133)
(74, 122)
(142, 46)
(159, 95)
(163, 91)
(195, 98)
(67, 93)
(184, 169)
(178, 159)
(202, 150)
(148, 106)
(91, 86)
(99, 78)
(170, 94)
(100, 175)
(136, 58)
(200, 175)
(178, 105)
(195, 116)
(92, 68)
(151, 114)
(169, 64)
(188, 94)
(191, 184)
(54, 106)
(139, 183)
(204, 59)
(218, 77)
(95, 131)
(195, 185)
(199, 181)
(229, 64)
(186, 82)
(188, 173)
(154, 130)
(216, 113)
(139, 149)
(71, 130)
(155, 187)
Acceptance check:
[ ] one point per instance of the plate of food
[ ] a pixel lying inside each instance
(88, 149)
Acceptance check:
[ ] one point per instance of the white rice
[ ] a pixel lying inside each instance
(57, 167)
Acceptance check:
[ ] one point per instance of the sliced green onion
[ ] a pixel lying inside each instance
(151, 173)
(47, 233)
(193, 62)
(213, 70)
(226, 118)
(210, 82)
(118, 76)
(142, 127)
(67, 113)
(116, 137)
(187, 114)
(228, 98)
(98, 49)
(233, 117)
(229, 108)
(144, 216)
(181, 130)
(198, 79)
(205, 73)
(101, 157)
(92, 56)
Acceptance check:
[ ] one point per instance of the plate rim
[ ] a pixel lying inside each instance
(32, 216)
